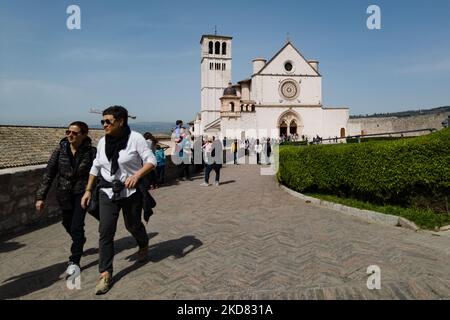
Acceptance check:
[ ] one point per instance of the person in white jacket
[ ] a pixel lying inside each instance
(258, 150)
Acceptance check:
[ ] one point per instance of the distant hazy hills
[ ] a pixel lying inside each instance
(152, 127)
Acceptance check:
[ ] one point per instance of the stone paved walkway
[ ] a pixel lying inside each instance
(246, 239)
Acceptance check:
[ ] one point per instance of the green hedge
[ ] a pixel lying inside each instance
(372, 139)
(407, 172)
(294, 143)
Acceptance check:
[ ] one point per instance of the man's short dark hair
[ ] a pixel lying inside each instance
(179, 122)
(118, 112)
(84, 129)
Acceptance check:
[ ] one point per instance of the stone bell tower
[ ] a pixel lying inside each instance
(215, 75)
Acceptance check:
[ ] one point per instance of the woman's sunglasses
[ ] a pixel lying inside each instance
(107, 121)
(69, 132)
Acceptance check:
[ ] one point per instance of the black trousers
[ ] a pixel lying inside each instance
(73, 222)
(209, 168)
(109, 214)
(184, 170)
(152, 177)
(160, 174)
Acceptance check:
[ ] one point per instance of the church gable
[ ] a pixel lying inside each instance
(288, 61)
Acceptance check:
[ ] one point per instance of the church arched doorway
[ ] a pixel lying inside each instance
(289, 124)
(293, 127)
(283, 129)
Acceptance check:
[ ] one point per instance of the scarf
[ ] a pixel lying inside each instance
(113, 146)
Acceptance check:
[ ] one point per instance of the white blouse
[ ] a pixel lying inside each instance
(130, 161)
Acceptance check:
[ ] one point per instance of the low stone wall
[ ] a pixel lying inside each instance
(375, 125)
(18, 187)
(17, 211)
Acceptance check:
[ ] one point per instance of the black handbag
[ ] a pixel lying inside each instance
(93, 207)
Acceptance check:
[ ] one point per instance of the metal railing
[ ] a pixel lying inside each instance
(363, 136)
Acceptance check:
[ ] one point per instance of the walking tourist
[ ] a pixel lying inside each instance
(70, 164)
(247, 147)
(258, 150)
(160, 165)
(210, 149)
(152, 143)
(234, 150)
(123, 159)
(268, 150)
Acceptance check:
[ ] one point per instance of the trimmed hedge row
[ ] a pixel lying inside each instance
(408, 172)
(372, 139)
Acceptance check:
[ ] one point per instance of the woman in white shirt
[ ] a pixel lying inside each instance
(123, 159)
(258, 150)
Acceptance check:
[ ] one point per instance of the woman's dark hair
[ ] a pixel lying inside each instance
(118, 112)
(149, 136)
(84, 129)
(178, 122)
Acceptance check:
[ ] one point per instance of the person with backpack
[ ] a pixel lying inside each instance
(70, 164)
(161, 164)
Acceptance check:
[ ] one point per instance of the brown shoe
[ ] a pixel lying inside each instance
(142, 254)
(103, 284)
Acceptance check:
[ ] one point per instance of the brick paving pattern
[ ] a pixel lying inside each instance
(246, 239)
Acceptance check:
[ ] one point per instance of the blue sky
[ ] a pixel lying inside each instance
(145, 55)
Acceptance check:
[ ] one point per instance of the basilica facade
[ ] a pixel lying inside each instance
(282, 97)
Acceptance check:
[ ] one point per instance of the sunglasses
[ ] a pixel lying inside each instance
(107, 121)
(69, 132)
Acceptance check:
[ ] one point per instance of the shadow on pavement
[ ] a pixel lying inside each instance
(178, 248)
(31, 281)
(120, 245)
(227, 182)
(10, 246)
(21, 285)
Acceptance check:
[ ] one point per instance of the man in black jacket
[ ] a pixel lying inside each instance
(70, 164)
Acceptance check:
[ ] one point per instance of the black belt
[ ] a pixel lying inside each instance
(116, 185)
